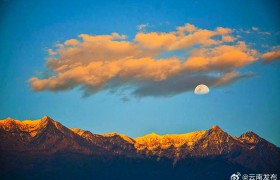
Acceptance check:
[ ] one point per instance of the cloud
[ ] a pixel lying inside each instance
(148, 65)
(265, 33)
(272, 55)
(185, 37)
(255, 28)
(221, 58)
(51, 52)
(142, 27)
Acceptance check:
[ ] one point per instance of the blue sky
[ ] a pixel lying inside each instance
(30, 28)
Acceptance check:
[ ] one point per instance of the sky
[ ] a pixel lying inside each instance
(132, 67)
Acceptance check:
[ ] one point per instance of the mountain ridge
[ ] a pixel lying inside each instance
(248, 136)
(150, 141)
(49, 137)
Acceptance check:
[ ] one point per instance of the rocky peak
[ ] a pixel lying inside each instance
(250, 137)
(111, 134)
(216, 128)
(85, 134)
(152, 135)
(78, 131)
(122, 136)
(9, 124)
(216, 131)
(47, 119)
(9, 120)
(214, 142)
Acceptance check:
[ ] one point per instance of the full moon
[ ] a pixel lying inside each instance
(201, 89)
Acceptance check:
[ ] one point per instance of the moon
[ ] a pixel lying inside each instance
(201, 89)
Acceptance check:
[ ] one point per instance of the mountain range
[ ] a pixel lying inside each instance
(45, 149)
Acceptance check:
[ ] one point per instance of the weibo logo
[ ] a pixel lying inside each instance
(235, 176)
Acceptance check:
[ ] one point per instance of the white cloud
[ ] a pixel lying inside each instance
(142, 27)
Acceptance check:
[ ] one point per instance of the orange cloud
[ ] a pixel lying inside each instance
(202, 37)
(99, 62)
(72, 42)
(272, 55)
(222, 57)
(51, 52)
(185, 37)
(227, 38)
(155, 40)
